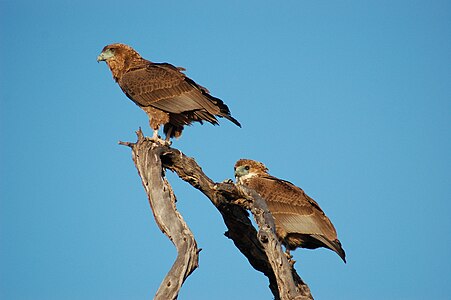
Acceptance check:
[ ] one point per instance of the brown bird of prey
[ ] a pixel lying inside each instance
(167, 96)
(299, 220)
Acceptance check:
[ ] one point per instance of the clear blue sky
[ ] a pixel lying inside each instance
(350, 100)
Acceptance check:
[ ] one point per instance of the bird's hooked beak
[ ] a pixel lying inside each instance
(241, 171)
(105, 55)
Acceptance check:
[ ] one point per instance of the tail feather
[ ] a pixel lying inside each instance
(233, 120)
(224, 110)
(332, 245)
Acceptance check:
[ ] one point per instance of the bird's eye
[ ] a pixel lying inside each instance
(247, 168)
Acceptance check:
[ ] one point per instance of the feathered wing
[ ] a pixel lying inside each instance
(167, 96)
(165, 87)
(298, 218)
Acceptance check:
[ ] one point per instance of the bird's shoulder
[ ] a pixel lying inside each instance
(146, 78)
(178, 71)
(280, 190)
(149, 71)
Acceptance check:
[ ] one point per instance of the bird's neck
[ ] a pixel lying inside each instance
(117, 68)
(120, 65)
(243, 179)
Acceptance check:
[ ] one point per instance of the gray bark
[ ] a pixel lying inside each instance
(282, 267)
(262, 249)
(162, 200)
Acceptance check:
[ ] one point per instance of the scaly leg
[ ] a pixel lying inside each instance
(155, 136)
(168, 134)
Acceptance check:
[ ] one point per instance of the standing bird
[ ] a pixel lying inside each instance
(162, 90)
(299, 220)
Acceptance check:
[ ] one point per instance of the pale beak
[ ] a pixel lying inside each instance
(105, 55)
(101, 57)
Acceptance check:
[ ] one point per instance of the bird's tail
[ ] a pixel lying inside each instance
(332, 245)
(233, 120)
(224, 110)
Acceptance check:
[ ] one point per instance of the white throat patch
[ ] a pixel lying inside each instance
(243, 178)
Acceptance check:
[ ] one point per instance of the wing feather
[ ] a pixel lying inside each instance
(165, 87)
(292, 208)
(162, 88)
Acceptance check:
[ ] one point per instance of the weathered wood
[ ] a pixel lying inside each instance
(262, 249)
(222, 195)
(225, 197)
(268, 238)
(146, 156)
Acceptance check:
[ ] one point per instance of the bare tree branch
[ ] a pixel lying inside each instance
(268, 238)
(262, 249)
(146, 156)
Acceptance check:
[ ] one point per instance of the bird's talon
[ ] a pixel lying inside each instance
(160, 141)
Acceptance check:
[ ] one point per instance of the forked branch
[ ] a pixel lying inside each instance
(262, 249)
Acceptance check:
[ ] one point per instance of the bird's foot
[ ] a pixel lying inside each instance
(160, 141)
(168, 141)
(157, 139)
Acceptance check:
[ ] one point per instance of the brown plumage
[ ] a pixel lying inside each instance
(167, 96)
(299, 220)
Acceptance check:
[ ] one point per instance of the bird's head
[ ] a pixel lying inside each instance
(247, 168)
(114, 51)
(119, 58)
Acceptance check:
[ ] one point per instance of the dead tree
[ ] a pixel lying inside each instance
(261, 248)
